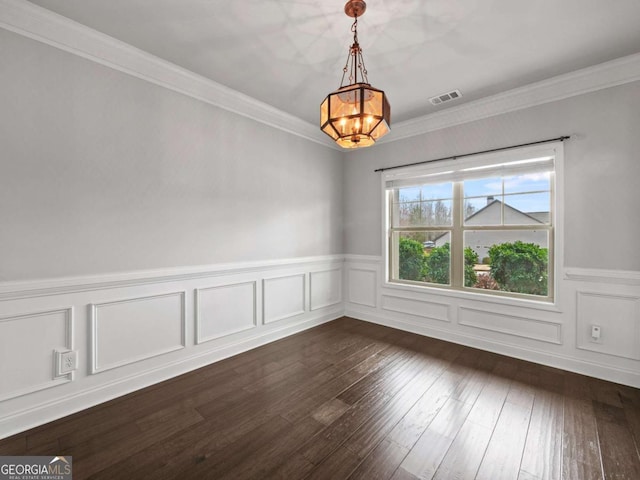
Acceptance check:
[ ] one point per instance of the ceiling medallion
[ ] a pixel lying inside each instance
(356, 114)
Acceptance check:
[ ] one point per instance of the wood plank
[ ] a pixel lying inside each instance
(293, 466)
(605, 392)
(475, 370)
(522, 390)
(620, 460)
(402, 474)
(542, 458)
(504, 452)
(227, 425)
(488, 405)
(271, 454)
(337, 466)
(335, 435)
(465, 453)
(528, 476)
(189, 446)
(426, 455)
(382, 463)
(329, 411)
(409, 429)
(382, 422)
(91, 461)
(307, 401)
(14, 446)
(276, 388)
(229, 421)
(220, 462)
(630, 399)
(375, 380)
(581, 452)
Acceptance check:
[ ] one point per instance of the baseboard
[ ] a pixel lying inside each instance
(592, 369)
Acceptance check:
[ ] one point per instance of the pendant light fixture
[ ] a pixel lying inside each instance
(356, 114)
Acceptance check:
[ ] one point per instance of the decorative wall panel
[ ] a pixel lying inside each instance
(510, 325)
(362, 286)
(420, 308)
(27, 345)
(618, 317)
(224, 310)
(131, 330)
(283, 297)
(326, 288)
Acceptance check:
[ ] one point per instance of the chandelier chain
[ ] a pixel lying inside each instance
(354, 29)
(355, 60)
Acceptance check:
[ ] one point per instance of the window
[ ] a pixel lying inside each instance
(483, 224)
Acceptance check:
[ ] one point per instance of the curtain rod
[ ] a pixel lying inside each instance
(454, 157)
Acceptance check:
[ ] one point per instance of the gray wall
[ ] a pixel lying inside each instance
(103, 172)
(602, 172)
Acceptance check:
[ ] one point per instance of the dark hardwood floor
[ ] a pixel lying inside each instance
(354, 400)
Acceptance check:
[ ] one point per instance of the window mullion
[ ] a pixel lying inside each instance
(394, 201)
(457, 240)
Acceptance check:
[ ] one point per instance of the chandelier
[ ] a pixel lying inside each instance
(356, 114)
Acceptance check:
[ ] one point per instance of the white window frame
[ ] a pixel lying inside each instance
(455, 169)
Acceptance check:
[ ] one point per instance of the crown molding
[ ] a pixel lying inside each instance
(609, 74)
(35, 22)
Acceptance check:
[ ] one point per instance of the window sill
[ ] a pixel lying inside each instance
(476, 297)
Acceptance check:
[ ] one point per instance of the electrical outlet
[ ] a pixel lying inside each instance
(66, 362)
(596, 334)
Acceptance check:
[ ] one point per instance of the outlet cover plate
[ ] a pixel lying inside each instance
(66, 362)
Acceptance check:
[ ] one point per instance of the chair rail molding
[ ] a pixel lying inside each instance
(622, 277)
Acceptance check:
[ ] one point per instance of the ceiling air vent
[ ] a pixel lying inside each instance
(445, 97)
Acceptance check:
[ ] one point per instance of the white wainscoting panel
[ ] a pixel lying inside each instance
(134, 329)
(131, 330)
(525, 327)
(224, 310)
(27, 344)
(363, 285)
(618, 317)
(326, 288)
(419, 308)
(283, 297)
(551, 334)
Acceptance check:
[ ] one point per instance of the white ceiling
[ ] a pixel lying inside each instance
(290, 53)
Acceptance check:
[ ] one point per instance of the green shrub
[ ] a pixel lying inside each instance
(437, 270)
(520, 267)
(470, 260)
(438, 265)
(412, 260)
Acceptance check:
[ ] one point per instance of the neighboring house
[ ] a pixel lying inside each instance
(482, 240)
